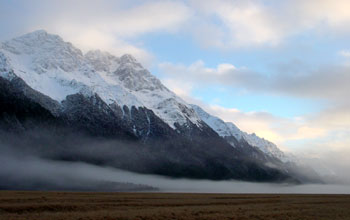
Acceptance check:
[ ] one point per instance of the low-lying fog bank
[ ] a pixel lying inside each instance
(27, 172)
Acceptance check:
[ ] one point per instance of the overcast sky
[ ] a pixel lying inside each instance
(279, 68)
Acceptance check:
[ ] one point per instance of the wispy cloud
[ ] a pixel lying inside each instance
(345, 53)
(326, 82)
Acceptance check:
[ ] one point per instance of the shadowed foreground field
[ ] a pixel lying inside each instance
(167, 206)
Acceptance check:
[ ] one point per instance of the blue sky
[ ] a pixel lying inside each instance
(184, 50)
(279, 68)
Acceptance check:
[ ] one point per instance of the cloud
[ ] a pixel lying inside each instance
(86, 39)
(243, 22)
(198, 73)
(221, 24)
(276, 129)
(124, 19)
(251, 23)
(344, 53)
(326, 82)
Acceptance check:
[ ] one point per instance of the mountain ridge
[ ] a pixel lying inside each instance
(115, 97)
(228, 129)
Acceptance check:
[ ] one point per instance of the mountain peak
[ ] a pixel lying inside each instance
(37, 38)
(127, 58)
(39, 33)
(46, 51)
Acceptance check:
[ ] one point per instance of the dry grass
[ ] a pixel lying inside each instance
(167, 206)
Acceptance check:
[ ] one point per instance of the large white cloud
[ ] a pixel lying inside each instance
(247, 23)
(224, 24)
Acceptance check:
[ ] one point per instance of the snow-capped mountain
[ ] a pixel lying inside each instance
(57, 69)
(228, 129)
(50, 93)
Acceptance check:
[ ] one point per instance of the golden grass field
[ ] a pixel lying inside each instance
(170, 206)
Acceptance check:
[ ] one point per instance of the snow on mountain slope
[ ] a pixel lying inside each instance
(57, 69)
(226, 129)
(128, 73)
